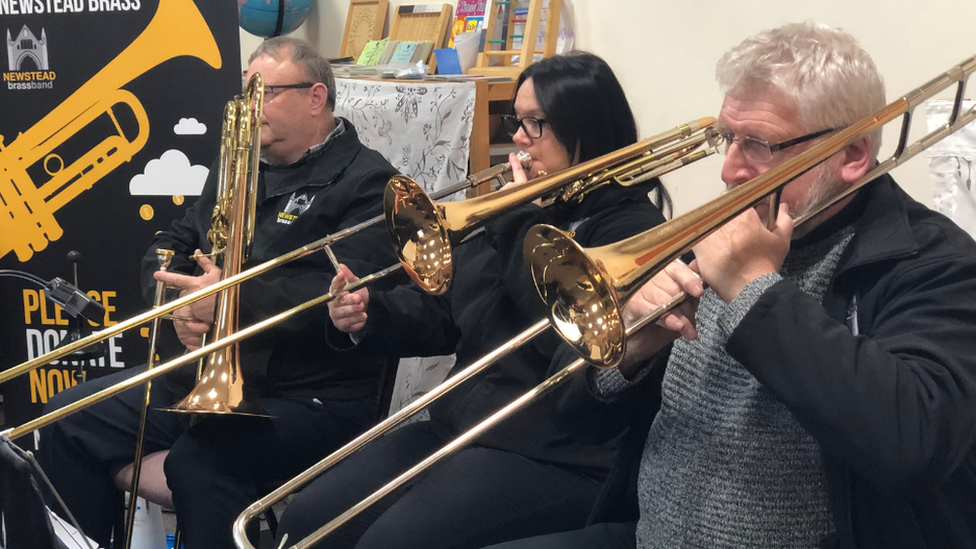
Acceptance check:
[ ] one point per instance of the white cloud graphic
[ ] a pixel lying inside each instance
(170, 174)
(190, 126)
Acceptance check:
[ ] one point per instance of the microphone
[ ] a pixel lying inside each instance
(74, 301)
(76, 304)
(81, 307)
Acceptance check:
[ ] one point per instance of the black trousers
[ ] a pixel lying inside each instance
(473, 498)
(215, 468)
(618, 535)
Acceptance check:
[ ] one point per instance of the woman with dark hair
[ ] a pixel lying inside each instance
(585, 109)
(532, 474)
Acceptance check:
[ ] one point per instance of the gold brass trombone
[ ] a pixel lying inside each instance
(220, 388)
(641, 158)
(412, 211)
(584, 289)
(423, 230)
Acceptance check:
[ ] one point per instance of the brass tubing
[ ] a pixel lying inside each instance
(240, 525)
(682, 233)
(463, 439)
(662, 161)
(469, 213)
(163, 257)
(51, 417)
(220, 387)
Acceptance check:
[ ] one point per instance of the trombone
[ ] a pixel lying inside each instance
(584, 289)
(631, 165)
(598, 273)
(423, 231)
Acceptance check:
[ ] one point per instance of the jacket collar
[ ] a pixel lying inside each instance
(307, 171)
(883, 229)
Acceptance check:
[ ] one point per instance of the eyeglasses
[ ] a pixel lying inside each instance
(270, 92)
(756, 149)
(531, 126)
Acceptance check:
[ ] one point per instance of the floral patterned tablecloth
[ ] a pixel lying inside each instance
(424, 130)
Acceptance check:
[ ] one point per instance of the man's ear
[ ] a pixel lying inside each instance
(320, 97)
(856, 159)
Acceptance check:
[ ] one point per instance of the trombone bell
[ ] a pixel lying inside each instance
(420, 234)
(584, 306)
(220, 390)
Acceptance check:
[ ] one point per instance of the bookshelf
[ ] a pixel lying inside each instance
(505, 9)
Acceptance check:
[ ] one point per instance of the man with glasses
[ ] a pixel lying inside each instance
(316, 179)
(822, 391)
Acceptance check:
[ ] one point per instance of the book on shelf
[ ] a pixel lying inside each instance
(404, 52)
(387, 54)
(371, 52)
(422, 52)
(469, 15)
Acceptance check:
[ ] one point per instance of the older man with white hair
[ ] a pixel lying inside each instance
(822, 391)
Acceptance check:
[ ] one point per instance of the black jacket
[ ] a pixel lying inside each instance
(322, 193)
(492, 299)
(893, 408)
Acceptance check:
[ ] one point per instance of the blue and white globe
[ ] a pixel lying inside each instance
(260, 17)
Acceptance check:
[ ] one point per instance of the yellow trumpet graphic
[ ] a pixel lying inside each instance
(27, 209)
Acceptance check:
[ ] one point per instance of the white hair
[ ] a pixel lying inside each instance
(832, 79)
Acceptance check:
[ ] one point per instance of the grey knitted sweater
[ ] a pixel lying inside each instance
(726, 464)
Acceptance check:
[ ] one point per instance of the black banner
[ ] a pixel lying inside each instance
(109, 121)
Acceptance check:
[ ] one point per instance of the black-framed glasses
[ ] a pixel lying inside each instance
(759, 150)
(270, 92)
(531, 126)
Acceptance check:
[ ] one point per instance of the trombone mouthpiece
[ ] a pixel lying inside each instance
(701, 123)
(524, 158)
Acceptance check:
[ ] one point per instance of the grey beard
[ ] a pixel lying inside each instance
(824, 189)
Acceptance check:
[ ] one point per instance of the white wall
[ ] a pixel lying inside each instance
(664, 54)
